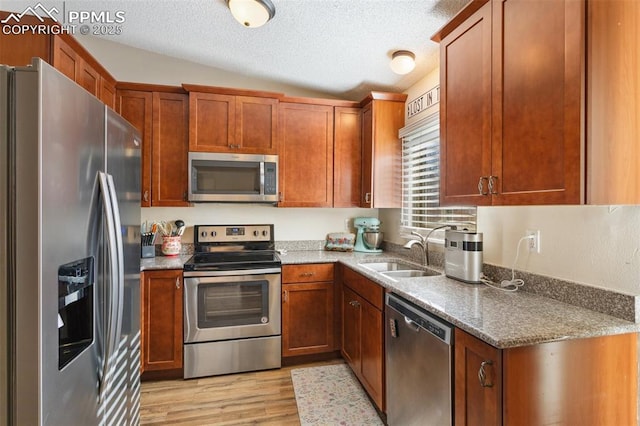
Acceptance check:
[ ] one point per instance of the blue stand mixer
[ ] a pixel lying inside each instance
(368, 235)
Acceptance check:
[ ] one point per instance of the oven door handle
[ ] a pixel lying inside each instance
(190, 305)
(232, 273)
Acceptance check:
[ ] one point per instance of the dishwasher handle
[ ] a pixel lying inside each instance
(417, 317)
(412, 324)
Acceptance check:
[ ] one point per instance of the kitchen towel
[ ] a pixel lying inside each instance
(340, 241)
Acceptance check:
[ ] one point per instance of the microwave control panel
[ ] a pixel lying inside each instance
(270, 179)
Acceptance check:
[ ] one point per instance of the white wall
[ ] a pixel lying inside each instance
(290, 224)
(129, 64)
(594, 245)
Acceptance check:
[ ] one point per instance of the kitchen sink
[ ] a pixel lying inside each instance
(396, 270)
(388, 266)
(409, 273)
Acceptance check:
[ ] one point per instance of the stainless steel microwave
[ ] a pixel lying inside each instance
(239, 178)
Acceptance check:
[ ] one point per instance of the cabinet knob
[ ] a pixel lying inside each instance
(178, 283)
(482, 374)
(481, 185)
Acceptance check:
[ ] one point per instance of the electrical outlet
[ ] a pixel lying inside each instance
(534, 243)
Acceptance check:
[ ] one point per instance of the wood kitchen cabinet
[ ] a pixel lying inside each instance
(347, 157)
(232, 120)
(510, 108)
(382, 118)
(363, 332)
(589, 381)
(160, 113)
(63, 52)
(161, 320)
(308, 320)
(305, 153)
(613, 102)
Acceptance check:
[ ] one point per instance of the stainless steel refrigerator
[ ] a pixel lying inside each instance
(69, 254)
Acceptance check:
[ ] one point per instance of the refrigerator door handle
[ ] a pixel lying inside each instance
(119, 282)
(113, 273)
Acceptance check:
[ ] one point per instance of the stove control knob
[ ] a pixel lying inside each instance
(214, 233)
(256, 233)
(203, 234)
(265, 233)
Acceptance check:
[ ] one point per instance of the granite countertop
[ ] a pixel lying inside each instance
(164, 262)
(502, 319)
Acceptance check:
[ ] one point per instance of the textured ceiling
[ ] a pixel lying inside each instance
(340, 47)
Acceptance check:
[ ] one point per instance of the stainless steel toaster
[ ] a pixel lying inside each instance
(463, 255)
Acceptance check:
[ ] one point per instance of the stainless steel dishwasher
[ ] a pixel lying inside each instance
(419, 353)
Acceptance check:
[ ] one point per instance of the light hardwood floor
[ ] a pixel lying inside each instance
(262, 397)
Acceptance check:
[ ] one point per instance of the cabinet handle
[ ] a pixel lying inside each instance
(492, 185)
(145, 196)
(355, 303)
(280, 197)
(178, 283)
(285, 296)
(307, 274)
(481, 185)
(367, 197)
(234, 146)
(482, 375)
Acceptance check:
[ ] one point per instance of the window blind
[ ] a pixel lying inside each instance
(421, 181)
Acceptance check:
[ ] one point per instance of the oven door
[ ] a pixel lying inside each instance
(232, 305)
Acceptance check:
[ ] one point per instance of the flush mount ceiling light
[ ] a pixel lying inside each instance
(252, 13)
(403, 61)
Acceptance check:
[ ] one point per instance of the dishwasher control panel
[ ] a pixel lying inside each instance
(418, 317)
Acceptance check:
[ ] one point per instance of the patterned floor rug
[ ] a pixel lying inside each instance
(331, 395)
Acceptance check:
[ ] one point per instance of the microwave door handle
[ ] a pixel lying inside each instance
(262, 178)
(112, 272)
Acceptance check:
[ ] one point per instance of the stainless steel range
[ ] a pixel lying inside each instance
(232, 301)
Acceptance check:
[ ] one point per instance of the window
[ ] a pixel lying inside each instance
(421, 181)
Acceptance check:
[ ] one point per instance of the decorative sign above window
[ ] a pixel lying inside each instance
(424, 101)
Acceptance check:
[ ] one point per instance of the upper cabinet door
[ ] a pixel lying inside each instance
(136, 107)
(306, 155)
(511, 106)
(170, 149)
(256, 125)
(347, 159)
(382, 118)
(537, 92)
(465, 111)
(65, 59)
(212, 122)
(229, 123)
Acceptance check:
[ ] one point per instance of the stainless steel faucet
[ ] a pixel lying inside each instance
(423, 242)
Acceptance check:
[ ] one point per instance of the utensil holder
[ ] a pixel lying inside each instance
(171, 246)
(148, 251)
